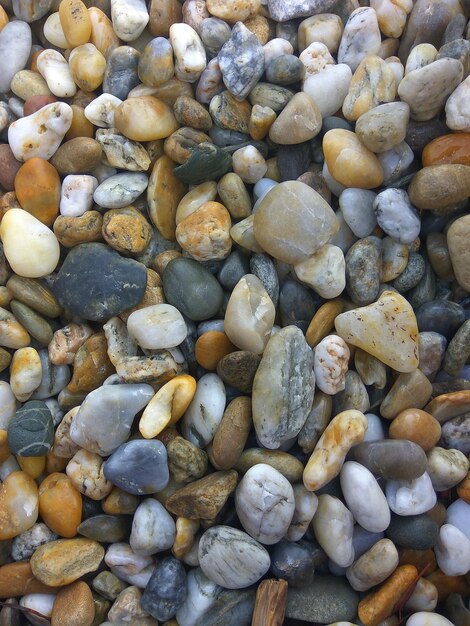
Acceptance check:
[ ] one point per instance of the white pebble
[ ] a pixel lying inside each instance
(76, 196)
(157, 327)
(331, 364)
(411, 497)
(364, 497)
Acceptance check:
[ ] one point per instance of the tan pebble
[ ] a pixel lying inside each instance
(34, 294)
(186, 530)
(34, 466)
(87, 66)
(230, 10)
(119, 502)
(63, 446)
(199, 195)
(5, 359)
(344, 431)
(457, 240)
(259, 26)
(164, 193)
(4, 449)
(55, 463)
(205, 234)
(349, 161)
(63, 561)
(411, 390)
(323, 321)
(261, 120)
(325, 28)
(234, 195)
(387, 329)
(370, 369)
(126, 230)
(25, 373)
(449, 405)
(80, 127)
(244, 235)
(12, 334)
(230, 113)
(418, 426)
(144, 119)
(161, 260)
(37, 188)
(72, 231)
(77, 156)
(102, 33)
(85, 470)
(17, 579)
(164, 13)
(18, 504)
(394, 259)
(91, 365)
(391, 15)
(167, 406)
(167, 93)
(60, 504)
(66, 342)
(232, 433)
(74, 606)
(180, 144)
(27, 83)
(75, 21)
(211, 347)
(373, 83)
(438, 186)
(299, 121)
(189, 112)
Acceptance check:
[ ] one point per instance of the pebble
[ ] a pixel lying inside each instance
(440, 316)
(327, 600)
(105, 528)
(30, 430)
(127, 565)
(374, 566)
(396, 216)
(458, 250)
(411, 497)
(240, 79)
(120, 190)
(392, 459)
(409, 390)
(205, 412)
(57, 493)
(360, 38)
(144, 118)
(335, 537)
(201, 596)
(358, 210)
(153, 529)
(364, 497)
(330, 364)
(15, 39)
(384, 126)
(416, 425)
(24, 544)
(74, 606)
(415, 532)
(166, 589)
(238, 369)
(455, 434)
(98, 297)
(282, 389)
(231, 558)
(20, 514)
(425, 618)
(362, 263)
(446, 468)
(329, 88)
(129, 18)
(190, 55)
(453, 551)
(439, 187)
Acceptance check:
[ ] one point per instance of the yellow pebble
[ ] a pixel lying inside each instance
(34, 466)
(75, 22)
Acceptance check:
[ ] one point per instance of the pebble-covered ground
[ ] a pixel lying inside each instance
(234, 312)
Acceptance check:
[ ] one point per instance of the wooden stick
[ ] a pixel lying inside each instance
(270, 603)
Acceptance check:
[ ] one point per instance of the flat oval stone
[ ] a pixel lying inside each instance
(440, 316)
(205, 412)
(286, 464)
(416, 425)
(294, 562)
(93, 295)
(265, 504)
(31, 431)
(121, 72)
(105, 528)
(120, 190)
(231, 558)
(15, 42)
(153, 528)
(158, 326)
(283, 388)
(192, 289)
(416, 532)
(138, 467)
(364, 497)
(458, 249)
(392, 459)
(363, 270)
(293, 237)
(166, 590)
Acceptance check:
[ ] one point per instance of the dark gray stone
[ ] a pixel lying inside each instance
(419, 134)
(297, 304)
(285, 70)
(96, 282)
(106, 528)
(293, 161)
(273, 96)
(139, 467)
(425, 290)
(166, 590)
(412, 274)
(262, 266)
(363, 262)
(192, 289)
(294, 562)
(31, 430)
(121, 72)
(416, 532)
(214, 33)
(328, 599)
(241, 61)
(440, 316)
(458, 350)
(234, 268)
(392, 459)
(224, 137)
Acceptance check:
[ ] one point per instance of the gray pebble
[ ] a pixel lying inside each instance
(363, 261)
(396, 216)
(412, 274)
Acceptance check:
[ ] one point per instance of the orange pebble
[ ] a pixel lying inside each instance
(463, 489)
(60, 504)
(34, 103)
(34, 59)
(3, 18)
(211, 347)
(80, 127)
(4, 449)
(37, 187)
(452, 148)
(380, 604)
(34, 466)
(448, 584)
(418, 426)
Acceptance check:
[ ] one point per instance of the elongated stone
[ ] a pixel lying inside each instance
(333, 525)
(396, 459)
(117, 405)
(15, 45)
(364, 497)
(387, 329)
(283, 388)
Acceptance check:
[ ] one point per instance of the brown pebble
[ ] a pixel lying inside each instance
(416, 425)
(9, 166)
(211, 347)
(120, 503)
(283, 462)
(74, 606)
(34, 103)
(16, 579)
(449, 405)
(81, 126)
(323, 321)
(77, 156)
(231, 434)
(71, 231)
(419, 558)
(448, 584)
(37, 188)
(238, 369)
(189, 112)
(410, 390)
(91, 366)
(126, 230)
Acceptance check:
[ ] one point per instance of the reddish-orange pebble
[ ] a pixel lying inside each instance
(37, 187)
(34, 103)
(453, 148)
(211, 347)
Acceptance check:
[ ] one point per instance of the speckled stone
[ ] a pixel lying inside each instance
(412, 274)
(31, 431)
(363, 270)
(238, 369)
(393, 459)
(95, 295)
(456, 434)
(166, 589)
(328, 599)
(121, 72)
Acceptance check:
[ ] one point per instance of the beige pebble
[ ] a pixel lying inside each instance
(25, 373)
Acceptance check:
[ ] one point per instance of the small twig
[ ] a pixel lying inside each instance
(270, 603)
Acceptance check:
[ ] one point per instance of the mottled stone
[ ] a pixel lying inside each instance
(327, 600)
(129, 468)
(30, 431)
(363, 270)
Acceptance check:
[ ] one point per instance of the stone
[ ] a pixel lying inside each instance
(37, 188)
(101, 111)
(166, 589)
(56, 72)
(60, 504)
(249, 315)
(330, 451)
(328, 599)
(360, 38)
(273, 96)
(231, 558)
(285, 463)
(186, 461)
(230, 608)
(281, 13)
(87, 66)
(23, 546)
(432, 348)
(238, 369)
(77, 156)
(204, 498)
(121, 152)
(76, 196)
(452, 551)
(313, 226)
(105, 528)
(446, 468)
(9, 167)
(358, 328)
(456, 236)
(205, 234)
(410, 390)
(282, 393)
(411, 497)
(164, 192)
(144, 118)
(12, 333)
(440, 316)
(357, 209)
(85, 470)
(191, 201)
(457, 113)
(25, 373)
(39, 251)
(205, 412)
(189, 112)
(302, 108)
(230, 114)
(73, 606)
(329, 88)
(126, 230)
(452, 148)
(396, 216)
(121, 288)
(129, 18)
(108, 585)
(117, 407)
(372, 84)
(363, 270)
(416, 425)
(201, 596)
(439, 186)
(349, 161)
(63, 561)
(264, 484)
(19, 504)
(30, 431)
(421, 618)
(15, 40)
(238, 79)
(66, 342)
(457, 351)
(415, 532)
(153, 528)
(119, 191)
(330, 364)
(190, 56)
(138, 467)
(412, 274)
(207, 162)
(364, 497)
(249, 164)
(373, 567)
(121, 74)
(128, 566)
(427, 88)
(158, 326)
(392, 459)
(306, 504)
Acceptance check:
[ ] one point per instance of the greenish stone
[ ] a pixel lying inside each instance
(458, 350)
(106, 528)
(5, 549)
(34, 323)
(108, 585)
(5, 359)
(207, 162)
(192, 289)
(416, 532)
(232, 608)
(31, 430)
(33, 293)
(328, 599)
(412, 274)
(102, 606)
